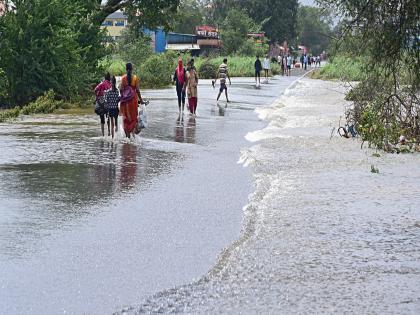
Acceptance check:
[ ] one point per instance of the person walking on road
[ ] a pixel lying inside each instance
(222, 74)
(100, 106)
(112, 98)
(289, 64)
(305, 61)
(192, 83)
(180, 79)
(266, 67)
(258, 68)
(130, 97)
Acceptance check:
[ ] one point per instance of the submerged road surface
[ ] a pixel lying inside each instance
(322, 234)
(88, 225)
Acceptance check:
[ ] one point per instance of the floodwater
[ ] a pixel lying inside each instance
(321, 233)
(89, 225)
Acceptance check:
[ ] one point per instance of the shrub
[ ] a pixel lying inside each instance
(9, 114)
(157, 70)
(44, 104)
(207, 70)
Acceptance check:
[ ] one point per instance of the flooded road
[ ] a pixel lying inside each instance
(173, 223)
(321, 234)
(88, 225)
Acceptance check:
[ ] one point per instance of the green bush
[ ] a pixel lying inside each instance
(157, 70)
(343, 68)
(207, 70)
(9, 114)
(44, 104)
(113, 66)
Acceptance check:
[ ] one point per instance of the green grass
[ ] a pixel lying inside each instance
(341, 68)
(238, 66)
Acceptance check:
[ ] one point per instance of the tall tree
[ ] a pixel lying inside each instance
(150, 13)
(190, 15)
(314, 28)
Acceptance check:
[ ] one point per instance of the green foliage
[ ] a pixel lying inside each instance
(278, 18)
(9, 114)
(157, 70)
(385, 102)
(46, 45)
(134, 48)
(207, 70)
(234, 32)
(239, 66)
(343, 68)
(314, 29)
(189, 15)
(153, 13)
(44, 104)
(4, 86)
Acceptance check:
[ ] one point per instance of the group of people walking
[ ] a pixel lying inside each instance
(127, 95)
(186, 82)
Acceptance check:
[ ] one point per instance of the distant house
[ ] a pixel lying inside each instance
(115, 24)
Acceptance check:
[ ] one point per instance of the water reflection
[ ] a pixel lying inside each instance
(218, 110)
(191, 128)
(179, 129)
(128, 171)
(40, 197)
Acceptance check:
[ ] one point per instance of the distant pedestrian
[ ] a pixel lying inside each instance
(100, 106)
(301, 60)
(192, 83)
(180, 78)
(266, 67)
(222, 74)
(289, 64)
(318, 61)
(258, 68)
(112, 98)
(305, 61)
(283, 65)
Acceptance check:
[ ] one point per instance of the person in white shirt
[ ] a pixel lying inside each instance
(266, 67)
(289, 64)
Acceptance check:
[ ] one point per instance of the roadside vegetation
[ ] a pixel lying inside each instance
(382, 53)
(57, 45)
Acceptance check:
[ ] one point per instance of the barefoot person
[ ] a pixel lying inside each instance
(192, 82)
(222, 74)
(130, 96)
(258, 68)
(100, 109)
(112, 98)
(180, 79)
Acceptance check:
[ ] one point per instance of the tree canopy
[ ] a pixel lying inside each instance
(314, 29)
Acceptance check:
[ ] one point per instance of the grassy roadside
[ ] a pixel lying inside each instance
(340, 68)
(46, 104)
(157, 70)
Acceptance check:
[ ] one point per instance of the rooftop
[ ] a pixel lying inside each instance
(117, 15)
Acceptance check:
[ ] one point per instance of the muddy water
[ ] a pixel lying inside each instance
(322, 234)
(89, 225)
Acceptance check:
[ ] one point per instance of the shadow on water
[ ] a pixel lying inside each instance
(43, 197)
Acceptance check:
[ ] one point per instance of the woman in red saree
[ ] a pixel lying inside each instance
(129, 109)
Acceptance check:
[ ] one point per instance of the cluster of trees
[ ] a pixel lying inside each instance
(385, 37)
(57, 44)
